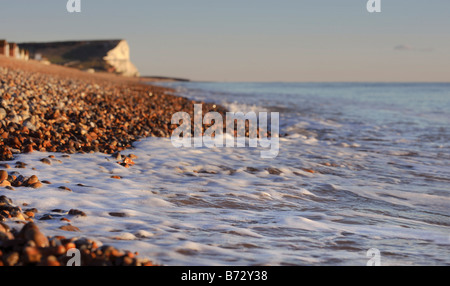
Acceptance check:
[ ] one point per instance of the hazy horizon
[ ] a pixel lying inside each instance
(254, 41)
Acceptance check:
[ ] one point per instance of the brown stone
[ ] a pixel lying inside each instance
(21, 165)
(52, 261)
(4, 228)
(31, 232)
(65, 188)
(36, 185)
(46, 217)
(128, 161)
(12, 259)
(19, 216)
(5, 183)
(29, 148)
(30, 214)
(46, 161)
(33, 179)
(69, 228)
(3, 175)
(132, 156)
(76, 213)
(117, 214)
(32, 255)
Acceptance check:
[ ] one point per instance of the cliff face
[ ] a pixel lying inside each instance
(111, 55)
(119, 59)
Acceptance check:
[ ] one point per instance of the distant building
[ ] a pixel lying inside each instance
(4, 48)
(14, 51)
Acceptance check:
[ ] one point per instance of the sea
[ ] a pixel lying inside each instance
(362, 177)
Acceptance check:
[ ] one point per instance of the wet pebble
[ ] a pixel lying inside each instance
(65, 188)
(75, 212)
(46, 217)
(118, 214)
(46, 161)
(3, 175)
(69, 228)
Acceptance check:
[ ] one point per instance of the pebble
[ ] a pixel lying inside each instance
(70, 228)
(75, 212)
(30, 214)
(30, 247)
(132, 156)
(5, 183)
(20, 165)
(33, 210)
(46, 161)
(36, 185)
(3, 175)
(46, 217)
(31, 232)
(309, 171)
(32, 180)
(82, 115)
(52, 261)
(57, 112)
(117, 156)
(118, 214)
(32, 255)
(12, 259)
(4, 228)
(65, 188)
(2, 113)
(274, 171)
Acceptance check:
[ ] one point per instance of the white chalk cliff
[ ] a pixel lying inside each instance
(101, 55)
(119, 59)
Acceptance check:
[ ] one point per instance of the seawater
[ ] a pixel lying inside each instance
(380, 153)
(360, 166)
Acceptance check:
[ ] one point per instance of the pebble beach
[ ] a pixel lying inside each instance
(53, 109)
(87, 164)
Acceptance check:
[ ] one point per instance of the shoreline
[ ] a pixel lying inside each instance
(59, 109)
(55, 109)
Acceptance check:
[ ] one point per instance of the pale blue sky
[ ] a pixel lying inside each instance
(254, 40)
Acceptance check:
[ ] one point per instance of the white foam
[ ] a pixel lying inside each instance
(223, 207)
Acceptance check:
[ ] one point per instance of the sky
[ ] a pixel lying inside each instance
(254, 40)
